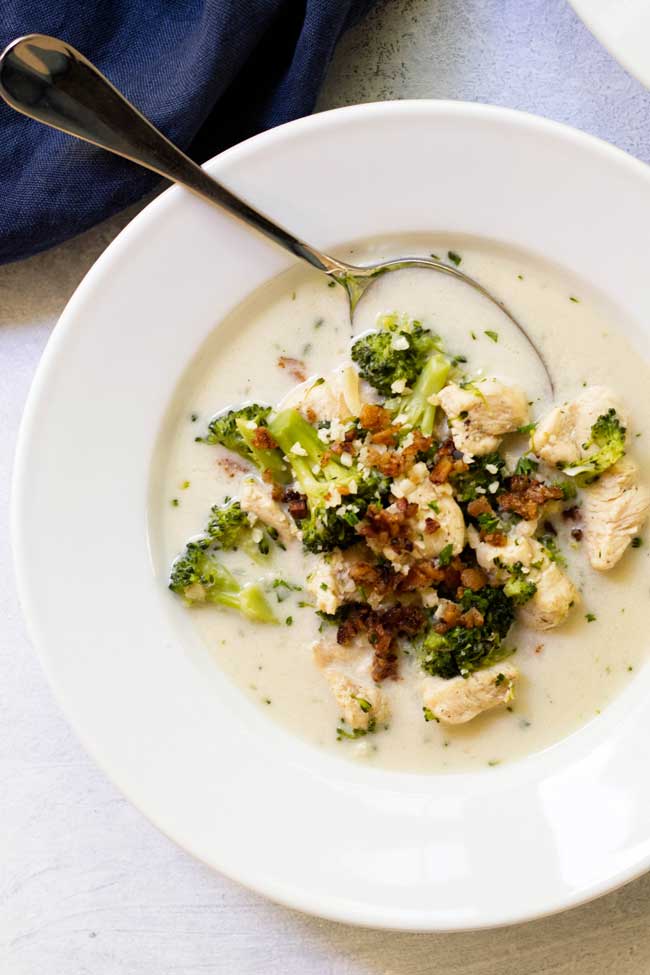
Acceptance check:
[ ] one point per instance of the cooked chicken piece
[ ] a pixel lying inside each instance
(347, 671)
(330, 582)
(336, 397)
(438, 521)
(256, 499)
(495, 559)
(560, 437)
(555, 595)
(480, 415)
(460, 699)
(614, 508)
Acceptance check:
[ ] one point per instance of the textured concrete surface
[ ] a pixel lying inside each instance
(86, 884)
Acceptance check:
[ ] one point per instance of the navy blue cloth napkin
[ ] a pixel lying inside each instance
(208, 73)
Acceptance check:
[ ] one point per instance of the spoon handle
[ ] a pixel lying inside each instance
(50, 81)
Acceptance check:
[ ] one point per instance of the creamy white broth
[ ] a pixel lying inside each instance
(568, 675)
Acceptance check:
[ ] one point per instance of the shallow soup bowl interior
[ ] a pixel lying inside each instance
(341, 840)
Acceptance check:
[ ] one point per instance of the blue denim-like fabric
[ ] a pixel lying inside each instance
(208, 73)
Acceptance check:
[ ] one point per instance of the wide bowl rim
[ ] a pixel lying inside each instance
(337, 910)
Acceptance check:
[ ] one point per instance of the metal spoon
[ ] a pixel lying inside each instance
(50, 81)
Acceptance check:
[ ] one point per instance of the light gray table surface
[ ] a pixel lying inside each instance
(87, 885)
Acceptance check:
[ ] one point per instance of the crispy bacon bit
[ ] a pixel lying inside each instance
(481, 506)
(389, 436)
(374, 417)
(449, 616)
(441, 470)
(473, 578)
(350, 435)
(296, 503)
(277, 492)
(267, 477)
(471, 618)
(431, 526)
(494, 538)
(311, 415)
(263, 440)
(443, 463)
(422, 575)
(408, 508)
(296, 367)
(394, 463)
(577, 534)
(526, 495)
(382, 628)
(387, 527)
(572, 514)
(344, 447)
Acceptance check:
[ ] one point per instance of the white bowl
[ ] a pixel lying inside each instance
(305, 828)
(623, 28)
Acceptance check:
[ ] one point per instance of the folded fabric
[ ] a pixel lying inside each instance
(208, 73)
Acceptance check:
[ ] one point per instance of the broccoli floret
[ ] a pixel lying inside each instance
(608, 440)
(414, 409)
(461, 650)
(198, 577)
(235, 430)
(320, 475)
(518, 588)
(397, 351)
(476, 480)
(228, 526)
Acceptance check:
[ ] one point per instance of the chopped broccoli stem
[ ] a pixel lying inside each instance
(198, 577)
(397, 351)
(414, 409)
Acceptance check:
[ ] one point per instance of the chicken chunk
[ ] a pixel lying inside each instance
(336, 397)
(330, 582)
(361, 703)
(555, 594)
(560, 437)
(480, 415)
(554, 597)
(423, 532)
(614, 509)
(256, 499)
(461, 699)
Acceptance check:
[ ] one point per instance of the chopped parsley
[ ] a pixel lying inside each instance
(454, 257)
(175, 502)
(363, 703)
(526, 465)
(527, 428)
(491, 335)
(444, 558)
(428, 714)
(637, 542)
(590, 618)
